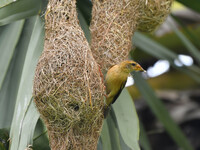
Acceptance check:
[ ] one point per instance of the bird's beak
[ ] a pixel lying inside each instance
(139, 68)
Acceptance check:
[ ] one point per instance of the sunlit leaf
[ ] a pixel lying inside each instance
(105, 137)
(19, 10)
(159, 51)
(10, 86)
(114, 133)
(24, 109)
(193, 4)
(9, 36)
(3, 3)
(28, 126)
(127, 119)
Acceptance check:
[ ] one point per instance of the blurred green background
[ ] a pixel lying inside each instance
(166, 98)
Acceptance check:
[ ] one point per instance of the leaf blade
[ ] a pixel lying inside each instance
(25, 89)
(161, 113)
(19, 10)
(127, 119)
(157, 50)
(10, 33)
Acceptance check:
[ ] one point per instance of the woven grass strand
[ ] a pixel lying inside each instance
(112, 26)
(68, 88)
(152, 14)
(114, 23)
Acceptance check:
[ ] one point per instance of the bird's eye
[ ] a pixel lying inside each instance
(133, 64)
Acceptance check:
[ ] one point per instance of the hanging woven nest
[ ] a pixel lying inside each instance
(68, 88)
(68, 85)
(114, 23)
(112, 27)
(152, 14)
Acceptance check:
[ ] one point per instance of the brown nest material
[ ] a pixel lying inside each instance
(114, 23)
(112, 27)
(68, 89)
(152, 14)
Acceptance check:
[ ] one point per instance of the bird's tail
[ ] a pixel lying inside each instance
(106, 110)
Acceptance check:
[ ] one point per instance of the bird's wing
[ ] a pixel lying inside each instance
(118, 93)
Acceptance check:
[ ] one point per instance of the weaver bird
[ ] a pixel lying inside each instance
(115, 81)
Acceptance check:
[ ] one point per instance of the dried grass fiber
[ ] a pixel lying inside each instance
(114, 23)
(112, 26)
(152, 14)
(68, 87)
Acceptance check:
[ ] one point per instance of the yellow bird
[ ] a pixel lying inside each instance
(115, 81)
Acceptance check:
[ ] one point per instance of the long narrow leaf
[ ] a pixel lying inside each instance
(3, 3)
(114, 133)
(193, 4)
(9, 90)
(152, 47)
(105, 137)
(191, 48)
(100, 145)
(187, 30)
(9, 36)
(122, 144)
(127, 119)
(19, 10)
(84, 25)
(23, 109)
(161, 113)
(85, 6)
(144, 141)
(28, 127)
(157, 50)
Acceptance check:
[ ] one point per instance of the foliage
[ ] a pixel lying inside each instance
(21, 43)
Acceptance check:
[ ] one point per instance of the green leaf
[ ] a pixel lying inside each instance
(127, 119)
(84, 25)
(22, 128)
(85, 7)
(193, 4)
(157, 50)
(99, 145)
(105, 137)
(124, 146)
(152, 47)
(27, 129)
(114, 133)
(144, 141)
(8, 93)
(84, 16)
(161, 113)
(6, 2)
(110, 135)
(191, 48)
(40, 140)
(9, 36)
(188, 31)
(19, 10)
